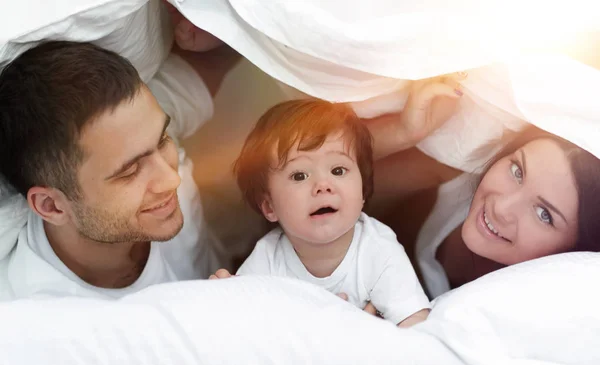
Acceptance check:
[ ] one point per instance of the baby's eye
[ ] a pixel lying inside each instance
(544, 215)
(339, 171)
(299, 176)
(516, 171)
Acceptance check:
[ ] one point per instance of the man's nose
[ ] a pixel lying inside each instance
(165, 177)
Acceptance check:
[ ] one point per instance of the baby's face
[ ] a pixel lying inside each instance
(317, 195)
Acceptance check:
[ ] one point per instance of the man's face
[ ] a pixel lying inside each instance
(129, 176)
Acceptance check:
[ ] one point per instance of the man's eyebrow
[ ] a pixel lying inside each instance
(552, 208)
(127, 164)
(167, 122)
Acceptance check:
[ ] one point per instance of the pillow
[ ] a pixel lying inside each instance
(544, 310)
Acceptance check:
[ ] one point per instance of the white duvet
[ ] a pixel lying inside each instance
(541, 312)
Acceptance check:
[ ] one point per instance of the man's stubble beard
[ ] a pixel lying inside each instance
(105, 227)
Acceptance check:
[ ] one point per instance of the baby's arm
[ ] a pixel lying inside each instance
(396, 292)
(260, 260)
(258, 263)
(415, 318)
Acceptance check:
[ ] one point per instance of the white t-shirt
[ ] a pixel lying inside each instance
(450, 210)
(375, 269)
(32, 269)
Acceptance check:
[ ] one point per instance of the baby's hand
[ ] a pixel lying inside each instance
(414, 318)
(189, 37)
(221, 274)
(369, 308)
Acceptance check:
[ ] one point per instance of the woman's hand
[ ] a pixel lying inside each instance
(431, 103)
(189, 37)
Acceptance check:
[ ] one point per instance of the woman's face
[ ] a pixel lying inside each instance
(525, 207)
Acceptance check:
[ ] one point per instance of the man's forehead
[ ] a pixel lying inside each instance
(116, 134)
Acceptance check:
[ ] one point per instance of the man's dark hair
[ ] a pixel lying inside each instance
(47, 96)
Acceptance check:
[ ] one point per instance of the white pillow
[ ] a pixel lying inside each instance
(546, 310)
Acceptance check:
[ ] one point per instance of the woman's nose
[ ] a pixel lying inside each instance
(506, 207)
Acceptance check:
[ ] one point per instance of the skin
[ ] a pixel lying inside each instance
(310, 180)
(129, 182)
(531, 201)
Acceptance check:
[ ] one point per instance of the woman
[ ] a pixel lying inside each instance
(537, 197)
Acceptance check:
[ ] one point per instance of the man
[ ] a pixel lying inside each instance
(83, 139)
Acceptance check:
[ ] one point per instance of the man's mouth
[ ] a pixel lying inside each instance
(323, 211)
(159, 205)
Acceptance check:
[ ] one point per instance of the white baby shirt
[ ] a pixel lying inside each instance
(375, 269)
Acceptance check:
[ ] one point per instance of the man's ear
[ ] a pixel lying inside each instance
(50, 204)
(267, 210)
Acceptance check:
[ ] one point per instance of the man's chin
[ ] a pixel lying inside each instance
(169, 229)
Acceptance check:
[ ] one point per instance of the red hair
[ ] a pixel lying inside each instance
(305, 124)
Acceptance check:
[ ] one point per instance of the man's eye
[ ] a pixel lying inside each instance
(130, 172)
(339, 171)
(299, 176)
(164, 139)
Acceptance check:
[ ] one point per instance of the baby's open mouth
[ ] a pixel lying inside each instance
(322, 211)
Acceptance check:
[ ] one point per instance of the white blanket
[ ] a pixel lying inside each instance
(366, 52)
(509, 317)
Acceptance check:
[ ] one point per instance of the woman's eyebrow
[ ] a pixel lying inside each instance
(552, 208)
(524, 162)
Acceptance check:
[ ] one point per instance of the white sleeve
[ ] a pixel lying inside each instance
(259, 261)
(183, 96)
(396, 291)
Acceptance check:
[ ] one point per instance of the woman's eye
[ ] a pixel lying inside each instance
(339, 171)
(544, 215)
(516, 171)
(299, 176)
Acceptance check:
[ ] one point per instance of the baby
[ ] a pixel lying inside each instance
(307, 165)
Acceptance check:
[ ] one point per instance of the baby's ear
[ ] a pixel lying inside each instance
(267, 210)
